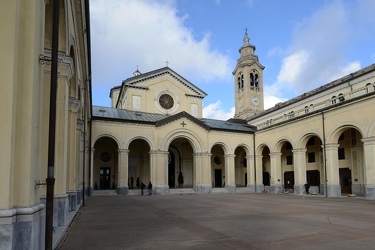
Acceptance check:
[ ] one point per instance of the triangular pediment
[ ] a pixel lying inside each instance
(179, 116)
(144, 81)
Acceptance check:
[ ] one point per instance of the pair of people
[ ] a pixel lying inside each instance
(149, 188)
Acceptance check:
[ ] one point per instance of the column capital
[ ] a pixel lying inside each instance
(275, 154)
(229, 155)
(202, 154)
(259, 157)
(299, 150)
(332, 146)
(74, 105)
(368, 140)
(158, 152)
(123, 151)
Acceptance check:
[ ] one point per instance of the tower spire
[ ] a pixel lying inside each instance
(246, 39)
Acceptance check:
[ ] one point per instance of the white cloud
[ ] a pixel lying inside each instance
(270, 101)
(316, 55)
(147, 33)
(215, 111)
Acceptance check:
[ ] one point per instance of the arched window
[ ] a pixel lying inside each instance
(256, 81)
(251, 80)
(341, 97)
(241, 81)
(333, 100)
(306, 109)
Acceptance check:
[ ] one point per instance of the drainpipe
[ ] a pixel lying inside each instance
(52, 127)
(324, 156)
(255, 164)
(351, 86)
(84, 142)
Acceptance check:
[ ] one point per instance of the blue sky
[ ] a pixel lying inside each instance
(302, 44)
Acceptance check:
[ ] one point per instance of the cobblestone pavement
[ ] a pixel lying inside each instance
(227, 221)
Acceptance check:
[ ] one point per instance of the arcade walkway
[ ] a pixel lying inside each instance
(225, 221)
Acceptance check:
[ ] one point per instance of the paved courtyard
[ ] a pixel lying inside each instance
(226, 221)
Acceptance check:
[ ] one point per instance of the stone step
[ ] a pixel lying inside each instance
(181, 191)
(242, 190)
(138, 192)
(220, 191)
(107, 192)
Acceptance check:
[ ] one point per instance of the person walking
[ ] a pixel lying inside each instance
(137, 183)
(150, 188)
(142, 187)
(307, 187)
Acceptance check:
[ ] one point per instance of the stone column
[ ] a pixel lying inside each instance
(369, 166)
(22, 216)
(259, 186)
(202, 173)
(250, 173)
(91, 188)
(123, 170)
(332, 175)
(276, 186)
(159, 171)
(255, 175)
(299, 164)
(230, 180)
(74, 106)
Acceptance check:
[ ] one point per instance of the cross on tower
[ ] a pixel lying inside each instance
(166, 63)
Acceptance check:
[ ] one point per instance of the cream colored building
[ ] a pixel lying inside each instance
(26, 41)
(155, 130)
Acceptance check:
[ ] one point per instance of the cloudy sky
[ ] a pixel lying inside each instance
(302, 44)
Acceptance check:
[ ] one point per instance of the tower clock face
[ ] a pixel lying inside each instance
(166, 101)
(255, 100)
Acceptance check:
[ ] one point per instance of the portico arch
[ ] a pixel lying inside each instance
(218, 165)
(105, 163)
(282, 165)
(138, 163)
(263, 164)
(241, 166)
(181, 163)
(346, 160)
(312, 146)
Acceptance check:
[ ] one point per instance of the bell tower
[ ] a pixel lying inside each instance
(248, 82)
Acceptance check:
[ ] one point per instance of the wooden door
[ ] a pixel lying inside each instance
(345, 180)
(289, 180)
(218, 178)
(105, 178)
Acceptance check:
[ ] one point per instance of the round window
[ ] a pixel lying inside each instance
(166, 101)
(105, 157)
(217, 160)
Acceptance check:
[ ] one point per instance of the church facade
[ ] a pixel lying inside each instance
(154, 131)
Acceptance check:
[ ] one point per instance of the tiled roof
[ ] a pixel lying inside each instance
(105, 113)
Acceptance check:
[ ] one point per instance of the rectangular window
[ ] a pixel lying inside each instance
(311, 157)
(289, 160)
(194, 109)
(341, 153)
(136, 102)
(313, 177)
